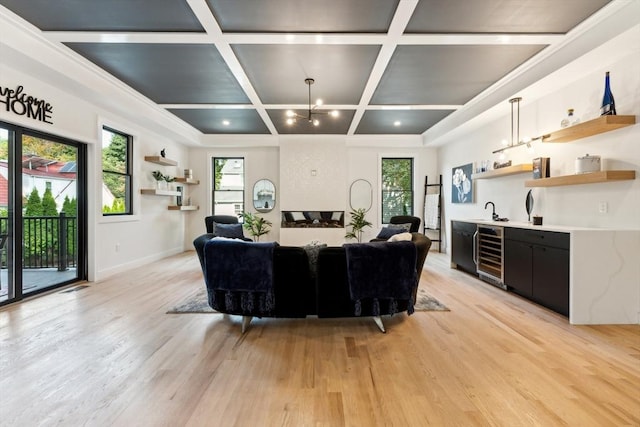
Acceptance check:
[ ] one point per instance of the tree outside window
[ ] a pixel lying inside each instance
(116, 173)
(397, 187)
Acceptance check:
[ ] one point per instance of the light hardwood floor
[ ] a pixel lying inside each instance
(109, 355)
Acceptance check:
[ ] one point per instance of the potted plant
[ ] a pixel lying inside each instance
(255, 225)
(357, 224)
(169, 179)
(159, 177)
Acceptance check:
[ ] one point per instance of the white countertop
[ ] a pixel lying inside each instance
(545, 227)
(604, 275)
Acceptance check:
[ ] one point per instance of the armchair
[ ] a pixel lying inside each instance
(212, 220)
(407, 219)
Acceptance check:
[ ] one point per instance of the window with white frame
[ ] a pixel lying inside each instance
(228, 186)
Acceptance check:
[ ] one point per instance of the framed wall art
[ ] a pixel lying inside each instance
(461, 185)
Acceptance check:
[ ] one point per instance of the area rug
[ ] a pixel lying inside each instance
(197, 303)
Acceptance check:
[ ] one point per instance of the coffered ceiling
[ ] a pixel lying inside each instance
(236, 66)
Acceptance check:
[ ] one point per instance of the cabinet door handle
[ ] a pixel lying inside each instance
(475, 248)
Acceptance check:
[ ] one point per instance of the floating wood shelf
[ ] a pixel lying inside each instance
(161, 160)
(190, 181)
(592, 127)
(183, 208)
(509, 170)
(156, 192)
(583, 178)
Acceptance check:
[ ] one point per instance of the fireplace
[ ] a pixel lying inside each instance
(312, 219)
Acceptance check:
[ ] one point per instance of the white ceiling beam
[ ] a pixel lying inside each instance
(294, 38)
(398, 24)
(204, 15)
(325, 107)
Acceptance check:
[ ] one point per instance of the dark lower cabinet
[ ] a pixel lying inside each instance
(518, 266)
(551, 278)
(462, 235)
(537, 267)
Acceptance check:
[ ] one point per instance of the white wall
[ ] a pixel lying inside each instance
(365, 162)
(259, 163)
(114, 243)
(580, 86)
(337, 164)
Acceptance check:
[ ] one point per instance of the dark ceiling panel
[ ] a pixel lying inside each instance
(304, 16)
(111, 15)
(328, 125)
(439, 75)
(212, 120)
(411, 122)
(277, 72)
(168, 73)
(500, 16)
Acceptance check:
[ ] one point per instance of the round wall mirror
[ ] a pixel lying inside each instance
(361, 195)
(264, 195)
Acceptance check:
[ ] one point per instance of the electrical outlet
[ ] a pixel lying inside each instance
(602, 207)
(117, 247)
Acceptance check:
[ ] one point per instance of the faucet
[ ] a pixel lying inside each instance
(494, 215)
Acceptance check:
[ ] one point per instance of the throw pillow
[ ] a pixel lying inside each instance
(400, 237)
(387, 232)
(232, 231)
(336, 216)
(405, 227)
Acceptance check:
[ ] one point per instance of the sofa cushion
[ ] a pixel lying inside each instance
(232, 231)
(387, 232)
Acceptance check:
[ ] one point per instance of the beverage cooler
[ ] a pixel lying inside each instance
(489, 254)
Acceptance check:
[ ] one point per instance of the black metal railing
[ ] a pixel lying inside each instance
(48, 241)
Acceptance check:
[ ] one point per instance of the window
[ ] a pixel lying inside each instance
(228, 186)
(116, 172)
(397, 187)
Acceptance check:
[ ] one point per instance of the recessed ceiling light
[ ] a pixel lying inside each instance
(397, 123)
(226, 122)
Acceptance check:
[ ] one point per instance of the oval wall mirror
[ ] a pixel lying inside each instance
(264, 195)
(361, 195)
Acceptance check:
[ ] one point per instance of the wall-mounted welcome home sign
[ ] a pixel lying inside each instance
(19, 102)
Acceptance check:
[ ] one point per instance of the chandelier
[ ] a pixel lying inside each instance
(292, 116)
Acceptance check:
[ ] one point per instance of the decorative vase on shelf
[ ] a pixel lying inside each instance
(528, 204)
(570, 120)
(608, 107)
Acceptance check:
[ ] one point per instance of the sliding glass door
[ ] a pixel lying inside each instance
(7, 282)
(43, 217)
